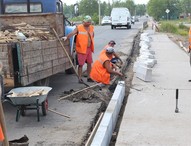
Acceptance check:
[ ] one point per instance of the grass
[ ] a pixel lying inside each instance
(175, 27)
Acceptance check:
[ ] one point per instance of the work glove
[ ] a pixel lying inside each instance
(64, 38)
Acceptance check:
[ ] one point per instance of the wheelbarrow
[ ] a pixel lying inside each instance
(29, 98)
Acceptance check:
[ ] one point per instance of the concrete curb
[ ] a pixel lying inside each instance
(107, 125)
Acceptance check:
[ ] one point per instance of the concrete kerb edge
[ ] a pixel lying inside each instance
(104, 133)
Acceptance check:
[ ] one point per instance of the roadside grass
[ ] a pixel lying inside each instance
(175, 27)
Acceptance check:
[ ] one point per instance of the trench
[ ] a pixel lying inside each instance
(128, 71)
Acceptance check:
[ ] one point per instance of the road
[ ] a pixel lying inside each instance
(103, 34)
(57, 130)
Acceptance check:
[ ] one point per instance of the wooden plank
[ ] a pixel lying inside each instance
(47, 20)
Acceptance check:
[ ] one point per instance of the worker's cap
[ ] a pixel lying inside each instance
(87, 18)
(110, 50)
(112, 42)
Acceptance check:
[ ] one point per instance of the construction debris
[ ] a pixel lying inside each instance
(9, 33)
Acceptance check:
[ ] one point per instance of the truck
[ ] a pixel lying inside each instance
(29, 50)
(120, 17)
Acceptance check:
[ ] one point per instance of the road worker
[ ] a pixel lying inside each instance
(189, 40)
(84, 45)
(115, 57)
(102, 68)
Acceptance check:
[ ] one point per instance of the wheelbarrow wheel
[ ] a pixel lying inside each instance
(44, 107)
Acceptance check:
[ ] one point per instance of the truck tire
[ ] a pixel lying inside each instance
(70, 71)
(111, 26)
(42, 82)
(75, 62)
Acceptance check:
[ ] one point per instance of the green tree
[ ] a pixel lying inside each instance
(186, 6)
(88, 7)
(105, 9)
(140, 9)
(68, 10)
(157, 8)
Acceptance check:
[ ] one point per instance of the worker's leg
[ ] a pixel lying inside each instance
(89, 67)
(80, 72)
(81, 61)
(89, 64)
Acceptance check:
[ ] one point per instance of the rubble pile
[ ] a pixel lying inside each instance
(11, 33)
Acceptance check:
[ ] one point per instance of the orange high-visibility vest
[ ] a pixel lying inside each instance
(82, 39)
(190, 38)
(98, 72)
(1, 134)
(104, 51)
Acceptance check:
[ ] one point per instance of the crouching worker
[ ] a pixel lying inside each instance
(114, 57)
(103, 68)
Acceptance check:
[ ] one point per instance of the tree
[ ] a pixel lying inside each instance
(157, 8)
(186, 6)
(140, 9)
(88, 7)
(68, 10)
(105, 9)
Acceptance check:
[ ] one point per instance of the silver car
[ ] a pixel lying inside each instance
(106, 20)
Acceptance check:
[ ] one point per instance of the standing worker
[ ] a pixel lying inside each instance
(84, 45)
(189, 35)
(102, 67)
(189, 46)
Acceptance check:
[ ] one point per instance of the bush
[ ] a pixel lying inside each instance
(182, 32)
(182, 26)
(172, 27)
(168, 27)
(95, 18)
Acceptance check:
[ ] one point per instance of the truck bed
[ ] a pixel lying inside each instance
(30, 61)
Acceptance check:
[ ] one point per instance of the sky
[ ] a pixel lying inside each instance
(69, 2)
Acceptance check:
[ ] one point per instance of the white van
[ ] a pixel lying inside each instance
(120, 17)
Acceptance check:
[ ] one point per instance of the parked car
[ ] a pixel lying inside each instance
(106, 20)
(133, 19)
(136, 19)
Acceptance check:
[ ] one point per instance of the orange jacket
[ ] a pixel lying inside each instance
(1, 134)
(82, 39)
(190, 38)
(98, 72)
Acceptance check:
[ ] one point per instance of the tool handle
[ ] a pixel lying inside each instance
(176, 93)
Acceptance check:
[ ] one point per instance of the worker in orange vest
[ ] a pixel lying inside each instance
(115, 56)
(84, 45)
(1, 134)
(189, 40)
(102, 68)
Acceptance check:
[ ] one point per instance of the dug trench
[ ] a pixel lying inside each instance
(103, 95)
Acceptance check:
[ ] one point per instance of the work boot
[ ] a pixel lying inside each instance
(81, 81)
(89, 80)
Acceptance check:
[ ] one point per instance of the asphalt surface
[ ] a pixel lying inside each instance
(150, 117)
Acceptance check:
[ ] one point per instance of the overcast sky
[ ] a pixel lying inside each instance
(69, 2)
